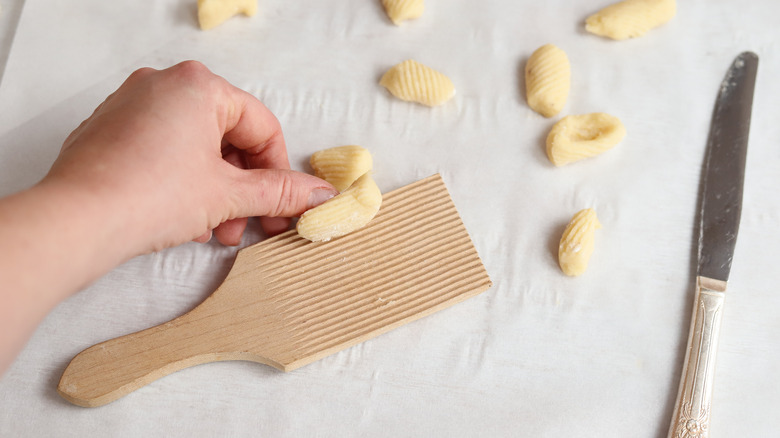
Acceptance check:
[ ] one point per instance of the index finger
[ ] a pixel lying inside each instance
(251, 127)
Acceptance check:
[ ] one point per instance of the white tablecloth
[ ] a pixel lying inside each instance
(539, 354)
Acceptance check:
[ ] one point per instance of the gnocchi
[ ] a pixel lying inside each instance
(547, 80)
(630, 18)
(402, 10)
(346, 212)
(341, 165)
(581, 136)
(578, 242)
(212, 13)
(415, 82)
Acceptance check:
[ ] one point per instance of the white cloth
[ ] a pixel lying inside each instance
(539, 354)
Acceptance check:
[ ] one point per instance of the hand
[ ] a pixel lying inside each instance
(168, 157)
(180, 152)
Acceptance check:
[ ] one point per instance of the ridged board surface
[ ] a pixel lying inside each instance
(414, 258)
(288, 301)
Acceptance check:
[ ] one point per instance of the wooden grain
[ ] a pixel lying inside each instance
(288, 302)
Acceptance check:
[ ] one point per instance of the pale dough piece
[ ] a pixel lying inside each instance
(547, 80)
(630, 18)
(212, 13)
(349, 211)
(581, 136)
(415, 82)
(341, 165)
(577, 242)
(402, 10)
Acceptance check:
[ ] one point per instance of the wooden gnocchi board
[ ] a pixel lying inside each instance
(288, 302)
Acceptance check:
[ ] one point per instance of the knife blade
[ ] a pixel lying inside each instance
(719, 215)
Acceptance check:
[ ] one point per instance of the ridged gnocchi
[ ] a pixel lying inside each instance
(581, 136)
(547, 80)
(341, 165)
(630, 18)
(415, 82)
(577, 242)
(212, 13)
(348, 211)
(402, 10)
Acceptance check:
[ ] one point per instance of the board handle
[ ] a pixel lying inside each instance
(691, 417)
(112, 369)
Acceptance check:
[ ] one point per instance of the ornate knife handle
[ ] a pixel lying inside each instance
(691, 416)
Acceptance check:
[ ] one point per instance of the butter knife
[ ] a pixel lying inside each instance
(719, 214)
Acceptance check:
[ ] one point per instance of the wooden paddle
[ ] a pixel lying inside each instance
(288, 301)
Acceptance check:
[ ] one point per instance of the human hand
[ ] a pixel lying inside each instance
(179, 152)
(168, 157)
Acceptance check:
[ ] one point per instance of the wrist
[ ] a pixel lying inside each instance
(56, 241)
(72, 234)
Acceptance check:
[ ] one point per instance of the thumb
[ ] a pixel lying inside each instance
(280, 193)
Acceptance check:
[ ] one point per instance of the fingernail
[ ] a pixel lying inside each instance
(320, 195)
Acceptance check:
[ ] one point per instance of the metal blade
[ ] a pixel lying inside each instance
(724, 172)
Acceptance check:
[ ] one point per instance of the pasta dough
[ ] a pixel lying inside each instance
(547, 80)
(341, 165)
(581, 136)
(350, 210)
(578, 242)
(414, 82)
(212, 13)
(630, 18)
(402, 10)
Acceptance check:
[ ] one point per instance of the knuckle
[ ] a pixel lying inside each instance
(140, 73)
(286, 195)
(191, 65)
(194, 70)
(194, 75)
